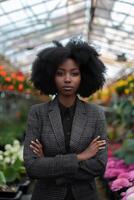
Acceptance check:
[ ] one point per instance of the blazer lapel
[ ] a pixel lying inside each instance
(55, 119)
(79, 122)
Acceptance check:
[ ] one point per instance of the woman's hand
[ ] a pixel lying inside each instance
(92, 149)
(37, 148)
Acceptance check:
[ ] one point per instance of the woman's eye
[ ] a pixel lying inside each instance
(75, 74)
(59, 73)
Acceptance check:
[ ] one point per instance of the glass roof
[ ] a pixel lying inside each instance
(27, 26)
(112, 26)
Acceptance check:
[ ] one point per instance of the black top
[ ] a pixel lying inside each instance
(67, 114)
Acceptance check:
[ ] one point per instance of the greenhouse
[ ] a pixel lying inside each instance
(67, 100)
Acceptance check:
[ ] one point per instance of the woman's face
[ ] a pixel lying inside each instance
(68, 78)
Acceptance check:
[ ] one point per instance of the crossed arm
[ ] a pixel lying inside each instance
(88, 164)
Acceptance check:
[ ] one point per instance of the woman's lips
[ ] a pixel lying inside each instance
(67, 88)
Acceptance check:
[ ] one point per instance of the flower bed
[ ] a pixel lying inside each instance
(119, 178)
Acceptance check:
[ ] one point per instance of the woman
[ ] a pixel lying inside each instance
(65, 146)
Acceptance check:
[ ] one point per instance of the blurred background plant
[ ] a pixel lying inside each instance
(14, 81)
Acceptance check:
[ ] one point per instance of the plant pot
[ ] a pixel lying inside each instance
(24, 186)
(9, 192)
(10, 196)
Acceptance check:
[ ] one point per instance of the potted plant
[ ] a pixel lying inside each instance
(12, 170)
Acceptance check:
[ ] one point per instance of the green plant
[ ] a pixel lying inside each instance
(11, 163)
(126, 152)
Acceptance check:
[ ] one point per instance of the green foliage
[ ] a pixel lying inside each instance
(126, 152)
(11, 163)
(14, 109)
(10, 130)
(12, 172)
(2, 178)
(122, 112)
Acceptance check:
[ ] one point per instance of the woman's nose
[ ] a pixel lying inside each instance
(67, 78)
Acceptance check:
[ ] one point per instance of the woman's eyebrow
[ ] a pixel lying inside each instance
(60, 68)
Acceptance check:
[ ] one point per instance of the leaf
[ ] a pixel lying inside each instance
(17, 164)
(129, 158)
(128, 145)
(2, 178)
(120, 153)
(10, 174)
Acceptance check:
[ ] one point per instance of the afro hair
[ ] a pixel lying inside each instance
(91, 67)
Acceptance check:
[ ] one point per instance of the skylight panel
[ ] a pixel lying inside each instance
(16, 16)
(123, 7)
(117, 17)
(11, 5)
(39, 9)
(4, 20)
(50, 5)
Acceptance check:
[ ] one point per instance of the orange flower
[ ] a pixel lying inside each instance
(13, 75)
(1, 67)
(10, 87)
(20, 78)
(8, 79)
(3, 73)
(20, 87)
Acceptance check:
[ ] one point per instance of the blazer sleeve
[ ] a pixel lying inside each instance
(95, 166)
(46, 167)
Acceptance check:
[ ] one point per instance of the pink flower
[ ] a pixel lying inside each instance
(124, 175)
(119, 184)
(129, 194)
(131, 167)
(111, 173)
(131, 175)
(115, 163)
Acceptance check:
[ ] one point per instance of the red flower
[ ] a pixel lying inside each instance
(20, 78)
(3, 73)
(20, 87)
(1, 67)
(10, 87)
(13, 75)
(8, 79)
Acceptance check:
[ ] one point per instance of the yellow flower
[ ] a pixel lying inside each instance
(121, 83)
(126, 91)
(130, 78)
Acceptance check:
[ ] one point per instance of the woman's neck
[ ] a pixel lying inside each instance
(67, 101)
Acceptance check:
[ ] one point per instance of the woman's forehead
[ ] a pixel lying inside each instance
(68, 64)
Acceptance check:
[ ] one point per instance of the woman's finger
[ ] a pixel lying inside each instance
(38, 142)
(96, 139)
(102, 148)
(101, 142)
(38, 154)
(34, 148)
(35, 144)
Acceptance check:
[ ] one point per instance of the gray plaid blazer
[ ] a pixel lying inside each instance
(58, 169)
